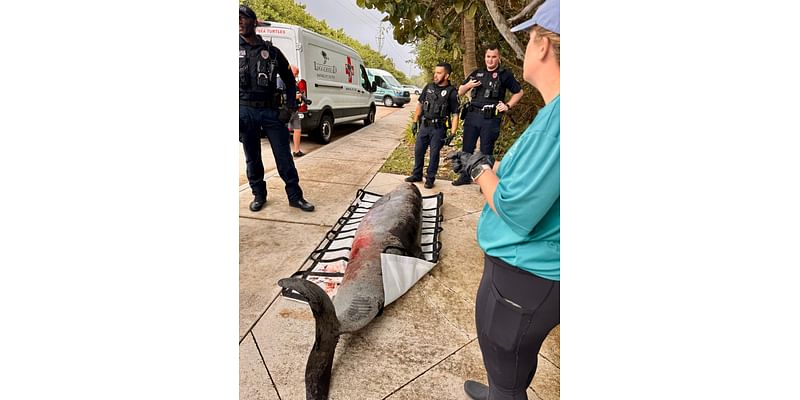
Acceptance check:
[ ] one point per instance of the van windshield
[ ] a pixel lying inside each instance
(390, 80)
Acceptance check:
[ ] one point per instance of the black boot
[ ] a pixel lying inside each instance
(476, 391)
(302, 204)
(257, 203)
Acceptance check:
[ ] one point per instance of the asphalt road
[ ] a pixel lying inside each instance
(308, 145)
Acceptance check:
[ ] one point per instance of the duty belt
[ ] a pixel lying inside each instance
(432, 122)
(489, 111)
(258, 104)
(473, 107)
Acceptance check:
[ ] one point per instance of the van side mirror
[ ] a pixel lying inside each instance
(368, 86)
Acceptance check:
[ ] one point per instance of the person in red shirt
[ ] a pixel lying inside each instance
(295, 122)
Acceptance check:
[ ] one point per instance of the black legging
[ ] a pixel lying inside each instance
(514, 312)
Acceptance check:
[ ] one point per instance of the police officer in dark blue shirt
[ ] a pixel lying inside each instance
(437, 103)
(263, 106)
(488, 86)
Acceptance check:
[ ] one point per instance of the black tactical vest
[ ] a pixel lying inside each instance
(437, 100)
(258, 69)
(489, 90)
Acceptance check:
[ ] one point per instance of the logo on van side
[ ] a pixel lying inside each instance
(331, 69)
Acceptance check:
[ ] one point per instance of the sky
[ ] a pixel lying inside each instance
(362, 25)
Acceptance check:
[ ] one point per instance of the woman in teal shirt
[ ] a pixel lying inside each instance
(518, 300)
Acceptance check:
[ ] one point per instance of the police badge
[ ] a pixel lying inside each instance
(264, 54)
(444, 92)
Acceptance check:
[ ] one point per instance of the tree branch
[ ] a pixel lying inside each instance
(525, 11)
(434, 33)
(502, 26)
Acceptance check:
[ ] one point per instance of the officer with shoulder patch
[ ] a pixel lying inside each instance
(484, 112)
(263, 106)
(437, 103)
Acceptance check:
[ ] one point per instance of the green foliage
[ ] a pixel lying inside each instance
(415, 20)
(429, 54)
(419, 80)
(289, 12)
(438, 35)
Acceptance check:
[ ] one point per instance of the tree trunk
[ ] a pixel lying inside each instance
(526, 11)
(502, 26)
(470, 63)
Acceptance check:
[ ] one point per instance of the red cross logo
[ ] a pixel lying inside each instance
(349, 70)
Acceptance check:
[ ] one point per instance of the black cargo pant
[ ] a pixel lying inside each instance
(477, 126)
(251, 121)
(433, 136)
(514, 312)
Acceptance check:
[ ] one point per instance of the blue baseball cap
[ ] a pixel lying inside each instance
(548, 16)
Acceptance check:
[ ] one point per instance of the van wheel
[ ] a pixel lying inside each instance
(370, 117)
(325, 130)
(387, 101)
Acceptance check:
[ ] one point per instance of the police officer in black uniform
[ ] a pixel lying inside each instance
(437, 103)
(488, 86)
(263, 106)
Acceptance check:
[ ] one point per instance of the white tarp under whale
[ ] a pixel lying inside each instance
(325, 265)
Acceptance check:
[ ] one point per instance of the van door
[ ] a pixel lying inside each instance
(328, 69)
(366, 83)
(384, 89)
(364, 99)
(371, 80)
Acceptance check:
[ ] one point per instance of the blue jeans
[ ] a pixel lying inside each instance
(251, 122)
(435, 138)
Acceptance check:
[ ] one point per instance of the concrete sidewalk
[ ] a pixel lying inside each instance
(423, 346)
